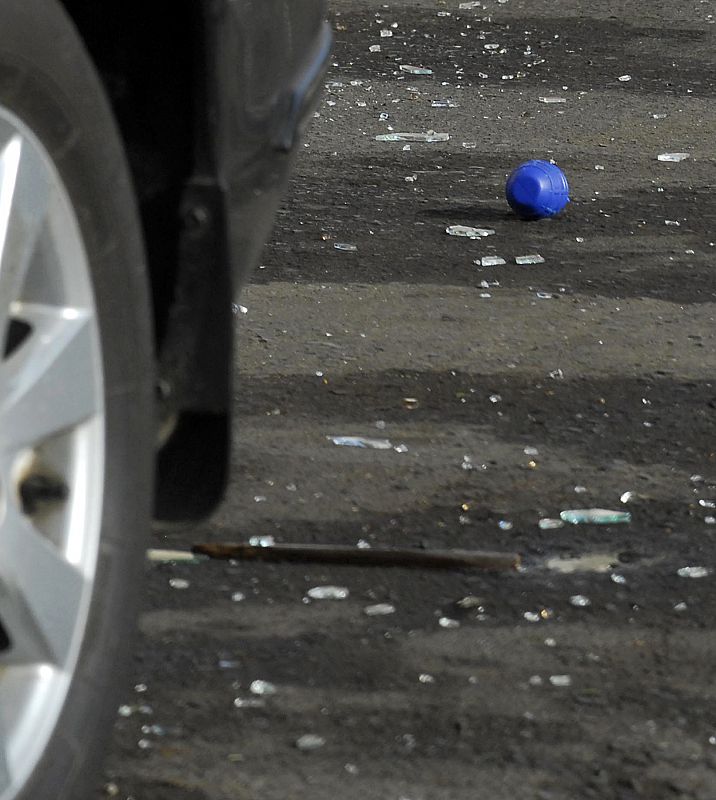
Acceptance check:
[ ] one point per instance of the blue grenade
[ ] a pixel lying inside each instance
(537, 189)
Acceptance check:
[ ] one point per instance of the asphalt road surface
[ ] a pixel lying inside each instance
(509, 393)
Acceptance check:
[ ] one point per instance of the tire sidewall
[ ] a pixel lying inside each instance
(47, 80)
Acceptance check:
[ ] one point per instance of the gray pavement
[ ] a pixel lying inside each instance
(531, 390)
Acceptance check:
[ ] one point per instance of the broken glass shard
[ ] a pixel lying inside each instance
(598, 516)
(547, 524)
(430, 136)
(328, 593)
(251, 702)
(490, 261)
(415, 70)
(379, 610)
(580, 601)
(361, 441)
(468, 232)
(310, 741)
(262, 541)
(173, 556)
(674, 157)
(693, 572)
(592, 562)
(262, 688)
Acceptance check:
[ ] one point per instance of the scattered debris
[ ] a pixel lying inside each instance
(179, 583)
(490, 261)
(530, 259)
(595, 562)
(425, 678)
(374, 556)
(560, 680)
(547, 524)
(627, 497)
(469, 601)
(360, 441)
(415, 70)
(348, 248)
(693, 572)
(428, 137)
(446, 622)
(551, 100)
(328, 593)
(262, 541)
(598, 516)
(309, 741)
(580, 601)
(379, 610)
(262, 688)
(249, 702)
(673, 157)
(173, 556)
(624, 78)
(468, 232)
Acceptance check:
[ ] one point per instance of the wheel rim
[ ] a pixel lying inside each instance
(51, 449)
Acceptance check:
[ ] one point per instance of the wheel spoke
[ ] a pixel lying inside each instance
(48, 384)
(24, 203)
(40, 595)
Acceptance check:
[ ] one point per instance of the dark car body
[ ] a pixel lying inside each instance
(211, 97)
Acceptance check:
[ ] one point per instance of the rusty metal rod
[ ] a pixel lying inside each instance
(373, 557)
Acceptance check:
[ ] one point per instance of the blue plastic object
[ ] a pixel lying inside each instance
(537, 189)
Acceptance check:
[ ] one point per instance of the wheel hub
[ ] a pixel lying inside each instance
(51, 449)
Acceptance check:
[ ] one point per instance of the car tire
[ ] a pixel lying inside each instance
(76, 450)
